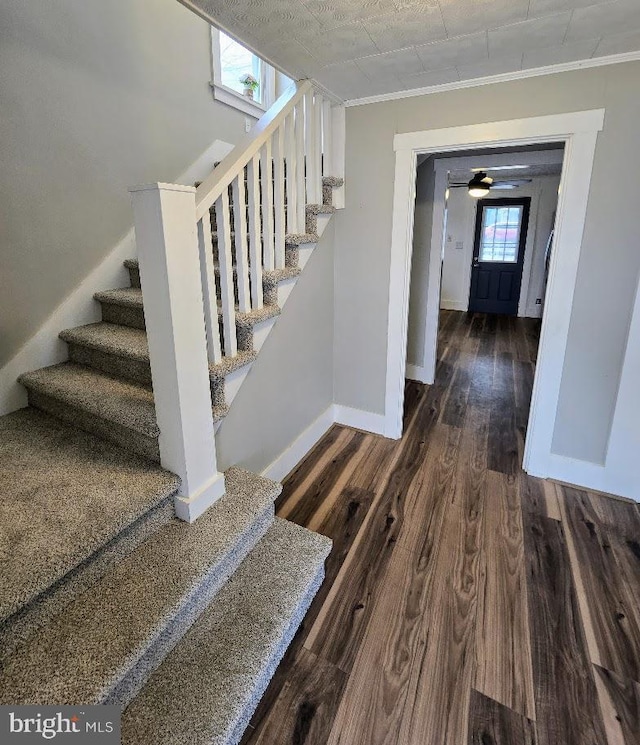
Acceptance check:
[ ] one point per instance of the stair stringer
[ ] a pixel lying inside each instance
(290, 383)
(261, 331)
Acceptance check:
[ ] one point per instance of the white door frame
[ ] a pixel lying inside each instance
(578, 131)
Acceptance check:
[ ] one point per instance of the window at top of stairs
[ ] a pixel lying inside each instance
(232, 62)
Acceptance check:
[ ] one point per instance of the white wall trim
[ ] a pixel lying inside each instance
(434, 283)
(44, 348)
(415, 372)
(577, 472)
(454, 305)
(613, 59)
(294, 453)
(579, 131)
(531, 131)
(359, 419)
(235, 100)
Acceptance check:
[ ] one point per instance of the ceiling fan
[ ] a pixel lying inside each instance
(481, 184)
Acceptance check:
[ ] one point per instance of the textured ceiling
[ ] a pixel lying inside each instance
(504, 173)
(359, 48)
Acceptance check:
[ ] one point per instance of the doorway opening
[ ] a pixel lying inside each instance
(490, 309)
(575, 132)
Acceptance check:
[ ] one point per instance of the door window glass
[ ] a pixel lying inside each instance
(500, 234)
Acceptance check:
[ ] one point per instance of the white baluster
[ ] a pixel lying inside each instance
(278, 197)
(326, 139)
(226, 275)
(316, 149)
(309, 146)
(290, 137)
(266, 182)
(301, 199)
(255, 242)
(242, 249)
(210, 301)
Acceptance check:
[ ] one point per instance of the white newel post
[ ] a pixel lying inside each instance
(165, 226)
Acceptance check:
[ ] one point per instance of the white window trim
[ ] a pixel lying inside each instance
(228, 96)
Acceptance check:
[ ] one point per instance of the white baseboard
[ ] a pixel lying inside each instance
(415, 372)
(189, 509)
(586, 475)
(289, 459)
(533, 311)
(334, 414)
(44, 348)
(359, 419)
(454, 305)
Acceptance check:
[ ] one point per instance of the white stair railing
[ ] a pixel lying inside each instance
(258, 194)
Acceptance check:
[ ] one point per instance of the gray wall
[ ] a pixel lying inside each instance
(94, 97)
(291, 382)
(422, 224)
(609, 266)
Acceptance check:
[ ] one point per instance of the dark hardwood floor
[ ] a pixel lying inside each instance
(464, 601)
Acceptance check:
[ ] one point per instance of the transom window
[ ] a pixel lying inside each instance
(500, 234)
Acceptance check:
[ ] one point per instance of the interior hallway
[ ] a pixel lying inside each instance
(464, 602)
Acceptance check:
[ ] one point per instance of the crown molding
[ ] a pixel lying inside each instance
(534, 72)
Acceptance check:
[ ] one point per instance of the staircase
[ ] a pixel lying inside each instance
(105, 387)
(107, 596)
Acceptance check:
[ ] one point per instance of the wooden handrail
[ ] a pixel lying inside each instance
(231, 166)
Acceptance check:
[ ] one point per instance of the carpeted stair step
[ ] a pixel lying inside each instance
(133, 268)
(292, 242)
(272, 279)
(113, 349)
(115, 409)
(312, 212)
(112, 637)
(290, 239)
(335, 182)
(218, 374)
(123, 352)
(207, 688)
(246, 323)
(123, 306)
(71, 505)
(329, 183)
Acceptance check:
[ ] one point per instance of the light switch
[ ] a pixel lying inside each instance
(459, 245)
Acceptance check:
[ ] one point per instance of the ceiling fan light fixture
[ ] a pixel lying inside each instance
(480, 185)
(498, 168)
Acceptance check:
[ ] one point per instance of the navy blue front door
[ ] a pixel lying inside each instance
(498, 255)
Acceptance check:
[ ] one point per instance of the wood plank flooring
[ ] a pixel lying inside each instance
(465, 602)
